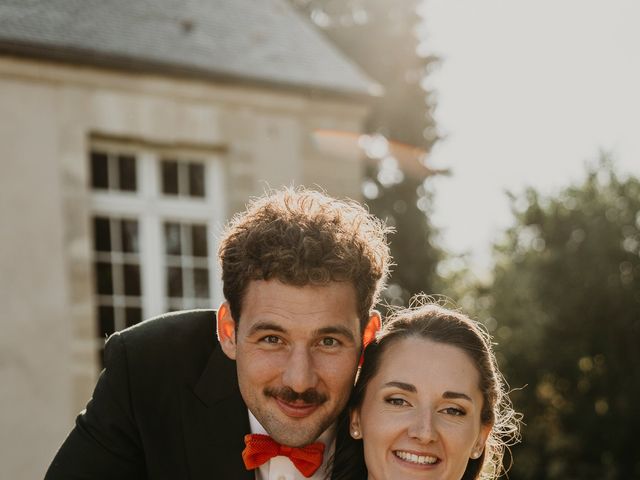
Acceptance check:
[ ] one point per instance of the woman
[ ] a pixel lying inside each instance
(429, 402)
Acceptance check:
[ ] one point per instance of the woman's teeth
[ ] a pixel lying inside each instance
(413, 458)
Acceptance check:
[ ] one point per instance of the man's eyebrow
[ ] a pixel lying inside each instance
(336, 330)
(274, 327)
(402, 385)
(456, 395)
(260, 326)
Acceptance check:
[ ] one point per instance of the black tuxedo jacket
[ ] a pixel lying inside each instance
(166, 406)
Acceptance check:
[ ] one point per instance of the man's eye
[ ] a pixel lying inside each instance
(329, 342)
(271, 339)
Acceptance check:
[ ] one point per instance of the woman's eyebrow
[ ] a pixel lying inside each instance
(411, 388)
(402, 385)
(456, 395)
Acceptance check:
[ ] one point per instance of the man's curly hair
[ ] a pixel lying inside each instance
(304, 237)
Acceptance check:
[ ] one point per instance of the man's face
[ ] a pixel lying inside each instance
(296, 350)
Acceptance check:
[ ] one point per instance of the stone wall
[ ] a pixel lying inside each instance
(48, 360)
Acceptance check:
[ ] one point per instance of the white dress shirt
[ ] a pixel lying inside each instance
(281, 468)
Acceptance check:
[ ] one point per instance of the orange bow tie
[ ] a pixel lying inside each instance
(262, 448)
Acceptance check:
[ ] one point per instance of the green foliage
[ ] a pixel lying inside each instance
(379, 35)
(565, 307)
(405, 206)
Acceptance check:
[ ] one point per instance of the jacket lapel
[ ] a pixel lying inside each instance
(215, 421)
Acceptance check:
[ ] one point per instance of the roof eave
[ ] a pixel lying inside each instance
(131, 64)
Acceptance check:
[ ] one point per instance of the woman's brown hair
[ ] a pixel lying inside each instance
(433, 322)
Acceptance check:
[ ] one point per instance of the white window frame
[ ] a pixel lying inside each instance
(152, 208)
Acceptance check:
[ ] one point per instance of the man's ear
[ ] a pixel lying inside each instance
(371, 329)
(226, 330)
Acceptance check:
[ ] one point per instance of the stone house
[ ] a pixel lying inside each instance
(131, 131)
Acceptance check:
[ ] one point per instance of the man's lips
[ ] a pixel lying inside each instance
(296, 409)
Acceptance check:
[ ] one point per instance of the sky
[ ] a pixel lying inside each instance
(527, 93)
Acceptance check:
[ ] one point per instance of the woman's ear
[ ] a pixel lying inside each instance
(481, 441)
(354, 424)
(226, 331)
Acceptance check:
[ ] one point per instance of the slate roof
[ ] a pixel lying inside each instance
(240, 41)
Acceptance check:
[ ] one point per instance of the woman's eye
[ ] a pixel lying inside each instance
(397, 402)
(457, 412)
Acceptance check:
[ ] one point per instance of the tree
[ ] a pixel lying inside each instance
(406, 207)
(565, 309)
(380, 36)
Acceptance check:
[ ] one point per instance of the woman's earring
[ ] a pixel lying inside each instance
(355, 434)
(475, 455)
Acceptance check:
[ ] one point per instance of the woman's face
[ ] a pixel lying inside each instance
(420, 417)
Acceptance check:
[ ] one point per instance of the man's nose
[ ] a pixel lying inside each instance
(299, 372)
(422, 426)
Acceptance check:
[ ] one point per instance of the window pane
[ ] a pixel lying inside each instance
(129, 231)
(173, 245)
(169, 177)
(174, 282)
(201, 282)
(196, 179)
(99, 170)
(132, 279)
(127, 177)
(175, 305)
(101, 234)
(106, 324)
(199, 240)
(104, 279)
(133, 315)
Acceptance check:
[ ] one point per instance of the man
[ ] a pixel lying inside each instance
(301, 272)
